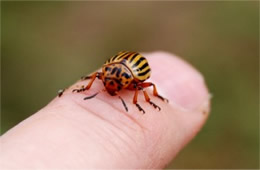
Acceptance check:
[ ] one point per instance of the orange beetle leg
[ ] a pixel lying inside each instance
(135, 102)
(155, 93)
(92, 77)
(147, 98)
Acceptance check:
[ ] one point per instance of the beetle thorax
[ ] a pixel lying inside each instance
(116, 77)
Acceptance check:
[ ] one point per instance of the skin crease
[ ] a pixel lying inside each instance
(98, 133)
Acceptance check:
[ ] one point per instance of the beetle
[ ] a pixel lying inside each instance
(125, 70)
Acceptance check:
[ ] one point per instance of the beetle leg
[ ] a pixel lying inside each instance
(155, 93)
(85, 77)
(135, 102)
(79, 90)
(147, 98)
(92, 77)
(98, 75)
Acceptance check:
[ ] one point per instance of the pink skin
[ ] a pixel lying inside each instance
(98, 133)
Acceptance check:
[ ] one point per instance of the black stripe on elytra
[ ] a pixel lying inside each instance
(118, 72)
(143, 66)
(113, 58)
(144, 73)
(126, 75)
(114, 70)
(109, 60)
(136, 54)
(126, 55)
(138, 62)
(122, 55)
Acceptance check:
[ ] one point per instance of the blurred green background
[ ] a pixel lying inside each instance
(49, 45)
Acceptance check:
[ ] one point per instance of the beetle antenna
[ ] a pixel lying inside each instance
(123, 103)
(94, 95)
(90, 97)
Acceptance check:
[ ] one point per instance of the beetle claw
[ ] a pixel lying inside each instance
(140, 108)
(163, 99)
(154, 105)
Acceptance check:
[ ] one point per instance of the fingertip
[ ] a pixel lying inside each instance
(180, 82)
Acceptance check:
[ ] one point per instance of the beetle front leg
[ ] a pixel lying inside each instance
(79, 90)
(92, 77)
(85, 77)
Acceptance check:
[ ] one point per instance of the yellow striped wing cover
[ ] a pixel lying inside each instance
(136, 63)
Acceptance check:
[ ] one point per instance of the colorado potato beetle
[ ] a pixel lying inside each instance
(126, 70)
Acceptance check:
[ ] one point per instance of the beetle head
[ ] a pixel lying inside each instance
(112, 86)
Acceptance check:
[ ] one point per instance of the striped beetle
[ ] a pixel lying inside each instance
(126, 70)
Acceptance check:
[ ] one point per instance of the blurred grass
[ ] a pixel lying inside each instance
(48, 45)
